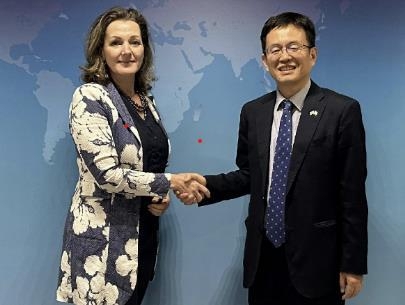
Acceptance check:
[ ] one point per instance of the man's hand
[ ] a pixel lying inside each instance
(350, 284)
(189, 187)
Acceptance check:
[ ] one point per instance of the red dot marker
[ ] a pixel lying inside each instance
(199, 141)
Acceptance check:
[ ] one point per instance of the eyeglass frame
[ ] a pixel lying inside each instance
(290, 51)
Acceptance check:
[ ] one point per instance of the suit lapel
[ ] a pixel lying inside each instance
(264, 121)
(123, 111)
(311, 114)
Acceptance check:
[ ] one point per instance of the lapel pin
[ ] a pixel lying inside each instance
(313, 113)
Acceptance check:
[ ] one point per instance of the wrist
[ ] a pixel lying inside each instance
(169, 178)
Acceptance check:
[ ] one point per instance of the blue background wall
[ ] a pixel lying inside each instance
(208, 64)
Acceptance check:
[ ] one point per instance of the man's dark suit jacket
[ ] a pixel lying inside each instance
(326, 205)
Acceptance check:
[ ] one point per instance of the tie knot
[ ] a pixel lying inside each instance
(286, 104)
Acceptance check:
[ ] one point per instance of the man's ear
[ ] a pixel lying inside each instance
(314, 53)
(264, 62)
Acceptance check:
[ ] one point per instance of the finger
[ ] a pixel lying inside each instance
(355, 291)
(351, 284)
(166, 198)
(349, 292)
(203, 191)
(194, 187)
(342, 282)
(156, 199)
(198, 197)
(177, 182)
(354, 286)
(165, 201)
(165, 204)
(154, 211)
(194, 192)
(183, 196)
(199, 178)
(158, 206)
(187, 198)
(190, 200)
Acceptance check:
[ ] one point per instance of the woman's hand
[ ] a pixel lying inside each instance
(159, 205)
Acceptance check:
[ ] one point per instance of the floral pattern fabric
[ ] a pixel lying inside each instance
(99, 260)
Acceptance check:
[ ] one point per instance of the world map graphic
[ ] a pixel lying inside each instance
(208, 64)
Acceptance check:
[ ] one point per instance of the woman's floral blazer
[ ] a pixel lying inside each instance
(100, 245)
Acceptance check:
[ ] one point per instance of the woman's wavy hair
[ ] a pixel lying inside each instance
(95, 69)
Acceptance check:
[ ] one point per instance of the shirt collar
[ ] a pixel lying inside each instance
(297, 99)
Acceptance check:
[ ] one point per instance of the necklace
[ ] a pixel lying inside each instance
(139, 108)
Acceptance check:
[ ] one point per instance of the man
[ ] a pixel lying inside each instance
(313, 250)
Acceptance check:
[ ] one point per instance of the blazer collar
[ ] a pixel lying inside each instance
(124, 113)
(119, 104)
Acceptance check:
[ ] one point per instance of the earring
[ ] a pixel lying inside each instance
(105, 67)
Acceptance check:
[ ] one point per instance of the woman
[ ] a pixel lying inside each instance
(110, 238)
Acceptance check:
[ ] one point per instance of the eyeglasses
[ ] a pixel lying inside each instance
(291, 49)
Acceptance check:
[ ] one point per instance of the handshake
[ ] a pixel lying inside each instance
(190, 188)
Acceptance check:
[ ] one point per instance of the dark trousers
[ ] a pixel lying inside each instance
(139, 292)
(272, 285)
(147, 248)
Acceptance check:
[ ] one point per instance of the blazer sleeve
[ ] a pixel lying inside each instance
(236, 183)
(91, 119)
(353, 172)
